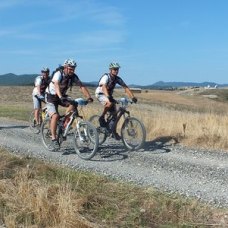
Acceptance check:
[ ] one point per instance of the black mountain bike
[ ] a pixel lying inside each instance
(85, 136)
(133, 132)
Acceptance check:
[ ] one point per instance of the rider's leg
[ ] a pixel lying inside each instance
(37, 115)
(53, 125)
(37, 109)
(70, 108)
(52, 110)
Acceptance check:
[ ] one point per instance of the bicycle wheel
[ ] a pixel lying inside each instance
(100, 130)
(133, 133)
(34, 127)
(46, 132)
(85, 140)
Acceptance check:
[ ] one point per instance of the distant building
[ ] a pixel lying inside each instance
(136, 90)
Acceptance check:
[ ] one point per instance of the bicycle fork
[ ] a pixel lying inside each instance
(81, 132)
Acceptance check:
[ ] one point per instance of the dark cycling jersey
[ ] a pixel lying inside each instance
(42, 82)
(65, 82)
(110, 82)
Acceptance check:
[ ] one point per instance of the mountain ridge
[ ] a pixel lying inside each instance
(28, 79)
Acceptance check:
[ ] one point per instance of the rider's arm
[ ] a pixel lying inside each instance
(38, 90)
(128, 92)
(105, 90)
(126, 88)
(57, 89)
(38, 82)
(85, 91)
(56, 81)
(103, 84)
(83, 88)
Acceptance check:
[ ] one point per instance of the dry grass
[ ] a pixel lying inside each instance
(34, 194)
(186, 116)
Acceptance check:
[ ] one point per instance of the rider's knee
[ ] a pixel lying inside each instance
(108, 105)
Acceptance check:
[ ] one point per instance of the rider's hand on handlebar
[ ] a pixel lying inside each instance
(40, 97)
(90, 99)
(134, 99)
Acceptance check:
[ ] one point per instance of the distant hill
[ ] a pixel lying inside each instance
(13, 79)
(28, 79)
(166, 85)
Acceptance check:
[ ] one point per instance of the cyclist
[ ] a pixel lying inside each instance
(40, 84)
(104, 94)
(62, 79)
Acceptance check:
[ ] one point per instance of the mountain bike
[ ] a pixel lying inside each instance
(133, 132)
(33, 125)
(85, 136)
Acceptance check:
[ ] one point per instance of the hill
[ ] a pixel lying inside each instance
(28, 79)
(13, 79)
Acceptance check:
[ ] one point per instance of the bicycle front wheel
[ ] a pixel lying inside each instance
(85, 140)
(133, 133)
(34, 127)
(46, 132)
(100, 130)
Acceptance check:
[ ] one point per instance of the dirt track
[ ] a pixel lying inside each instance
(200, 174)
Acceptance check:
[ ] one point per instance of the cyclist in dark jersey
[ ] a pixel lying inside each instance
(40, 84)
(56, 95)
(104, 92)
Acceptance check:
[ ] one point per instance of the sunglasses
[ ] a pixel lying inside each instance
(115, 69)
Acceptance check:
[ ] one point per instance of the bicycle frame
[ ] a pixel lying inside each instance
(122, 111)
(73, 115)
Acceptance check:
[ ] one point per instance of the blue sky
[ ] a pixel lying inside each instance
(153, 40)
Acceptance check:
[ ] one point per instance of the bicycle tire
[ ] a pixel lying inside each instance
(46, 133)
(86, 140)
(32, 124)
(133, 133)
(100, 130)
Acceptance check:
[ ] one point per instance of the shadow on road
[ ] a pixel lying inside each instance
(160, 143)
(116, 151)
(106, 153)
(16, 126)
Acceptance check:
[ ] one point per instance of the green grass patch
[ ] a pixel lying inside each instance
(18, 112)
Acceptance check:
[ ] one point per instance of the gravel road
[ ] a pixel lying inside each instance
(194, 173)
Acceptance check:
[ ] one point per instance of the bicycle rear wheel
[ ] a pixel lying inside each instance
(34, 127)
(100, 130)
(46, 132)
(85, 140)
(133, 133)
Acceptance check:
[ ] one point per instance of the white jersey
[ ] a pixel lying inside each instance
(38, 81)
(56, 78)
(103, 81)
(110, 82)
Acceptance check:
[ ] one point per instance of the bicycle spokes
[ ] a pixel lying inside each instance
(133, 133)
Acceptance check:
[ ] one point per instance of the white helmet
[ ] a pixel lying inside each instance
(70, 62)
(45, 70)
(114, 65)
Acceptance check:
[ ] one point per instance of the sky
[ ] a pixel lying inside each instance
(152, 40)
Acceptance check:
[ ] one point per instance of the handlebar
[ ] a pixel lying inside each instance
(77, 101)
(124, 101)
(40, 99)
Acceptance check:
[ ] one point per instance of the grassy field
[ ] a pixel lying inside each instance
(35, 194)
(186, 116)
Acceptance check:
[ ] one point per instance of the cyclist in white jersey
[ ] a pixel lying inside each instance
(105, 91)
(40, 84)
(56, 95)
